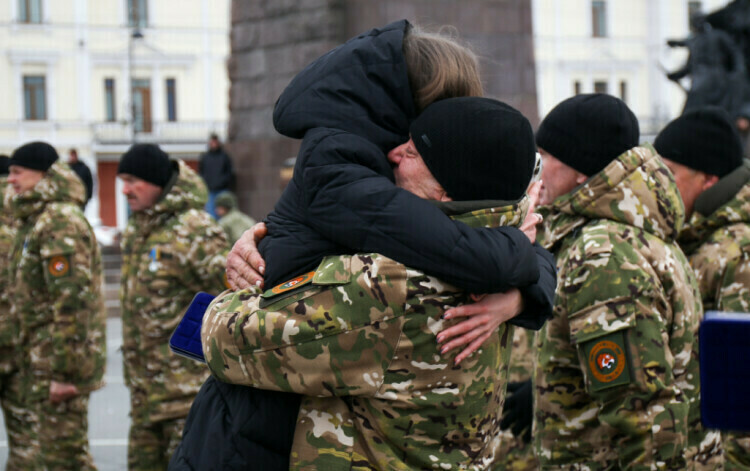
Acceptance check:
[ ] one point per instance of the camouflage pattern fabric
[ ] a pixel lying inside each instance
(235, 224)
(170, 252)
(154, 444)
(718, 247)
(617, 380)
(514, 454)
(56, 297)
(63, 435)
(357, 337)
(9, 329)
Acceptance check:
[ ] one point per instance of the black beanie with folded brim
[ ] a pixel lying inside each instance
(588, 131)
(147, 162)
(34, 155)
(476, 148)
(702, 139)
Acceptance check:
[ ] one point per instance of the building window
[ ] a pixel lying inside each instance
(30, 11)
(624, 91)
(599, 18)
(694, 8)
(600, 87)
(109, 100)
(142, 105)
(34, 97)
(171, 99)
(577, 87)
(137, 13)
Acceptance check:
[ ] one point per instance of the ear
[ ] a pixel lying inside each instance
(709, 181)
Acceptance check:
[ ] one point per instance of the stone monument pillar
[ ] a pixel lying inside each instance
(272, 40)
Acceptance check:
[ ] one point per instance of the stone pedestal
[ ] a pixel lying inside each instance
(272, 40)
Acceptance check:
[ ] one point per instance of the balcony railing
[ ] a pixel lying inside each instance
(178, 132)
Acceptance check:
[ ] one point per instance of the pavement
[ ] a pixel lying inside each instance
(108, 411)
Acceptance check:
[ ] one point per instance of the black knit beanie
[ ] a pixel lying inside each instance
(587, 132)
(477, 148)
(4, 159)
(34, 155)
(147, 162)
(702, 139)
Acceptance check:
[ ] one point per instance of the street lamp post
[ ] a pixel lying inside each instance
(135, 34)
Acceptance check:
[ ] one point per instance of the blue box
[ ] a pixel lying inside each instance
(186, 339)
(725, 370)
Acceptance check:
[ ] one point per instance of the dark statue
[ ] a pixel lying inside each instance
(718, 61)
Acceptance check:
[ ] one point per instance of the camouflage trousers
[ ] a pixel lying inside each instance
(736, 451)
(152, 444)
(23, 446)
(62, 429)
(514, 454)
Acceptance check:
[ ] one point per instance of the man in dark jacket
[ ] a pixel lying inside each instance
(215, 167)
(83, 172)
(352, 106)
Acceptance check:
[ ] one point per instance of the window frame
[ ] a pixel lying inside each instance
(599, 19)
(31, 94)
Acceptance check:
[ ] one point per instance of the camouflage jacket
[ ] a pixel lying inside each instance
(357, 338)
(616, 380)
(8, 325)
(170, 252)
(235, 223)
(717, 242)
(56, 278)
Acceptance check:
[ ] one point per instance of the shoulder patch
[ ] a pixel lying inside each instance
(290, 285)
(58, 266)
(607, 361)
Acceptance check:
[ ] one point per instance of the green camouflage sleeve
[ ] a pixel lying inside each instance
(301, 341)
(205, 247)
(618, 322)
(66, 257)
(734, 292)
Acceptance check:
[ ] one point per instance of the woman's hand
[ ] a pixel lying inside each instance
(532, 219)
(245, 266)
(482, 320)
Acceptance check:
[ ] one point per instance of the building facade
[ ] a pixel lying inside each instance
(99, 75)
(617, 47)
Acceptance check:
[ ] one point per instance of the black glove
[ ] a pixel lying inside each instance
(518, 410)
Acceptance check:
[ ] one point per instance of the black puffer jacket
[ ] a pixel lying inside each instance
(352, 106)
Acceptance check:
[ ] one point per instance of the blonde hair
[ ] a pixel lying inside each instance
(439, 67)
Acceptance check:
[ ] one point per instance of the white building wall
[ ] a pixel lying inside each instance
(634, 52)
(82, 42)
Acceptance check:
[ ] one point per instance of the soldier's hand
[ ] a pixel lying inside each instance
(532, 219)
(482, 321)
(245, 266)
(519, 410)
(59, 392)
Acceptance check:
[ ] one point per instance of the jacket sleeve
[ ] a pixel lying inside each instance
(539, 298)
(206, 249)
(67, 259)
(734, 292)
(350, 201)
(323, 340)
(629, 353)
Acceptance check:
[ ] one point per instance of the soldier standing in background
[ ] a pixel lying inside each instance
(22, 449)
(216, 169)
(231, 219)
(56, 296)
(616, 381)
(171, 250)
(704, 153)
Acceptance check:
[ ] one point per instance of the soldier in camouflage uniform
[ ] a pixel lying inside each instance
(171, 249)
(22, 448)
(704, 153)
(357, 336)
(231, 219)
(57, 299)
(616, 380)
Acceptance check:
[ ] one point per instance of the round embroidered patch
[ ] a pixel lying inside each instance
(606, 361)
(58, 266)
(291, 284)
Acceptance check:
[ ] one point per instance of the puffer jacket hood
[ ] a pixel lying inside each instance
(60, 184)
(184, 191)
(635, 189)
(724, 204)
(360, 87)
